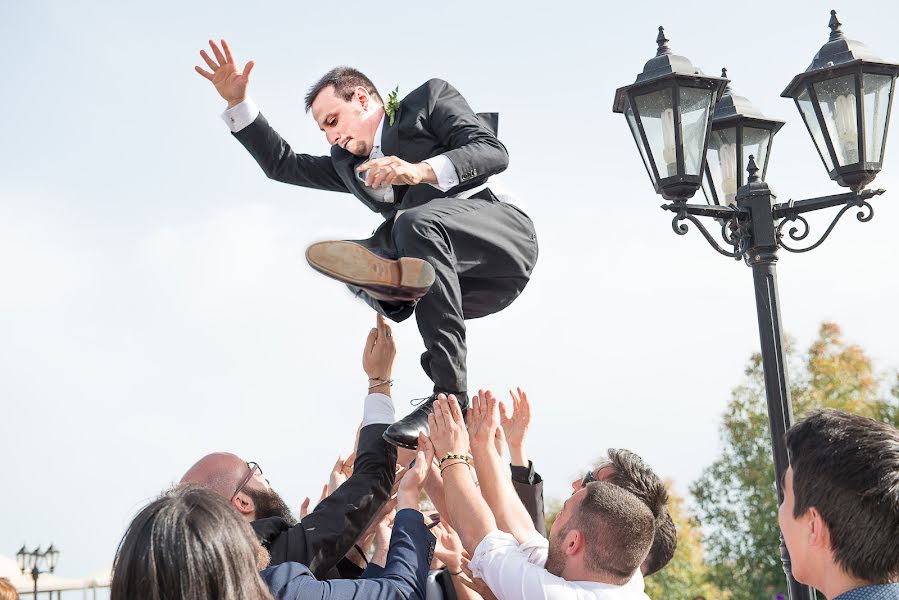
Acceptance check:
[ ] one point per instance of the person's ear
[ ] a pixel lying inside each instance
(574, 542)
(362, 97)
(244, 504)
(818, 534)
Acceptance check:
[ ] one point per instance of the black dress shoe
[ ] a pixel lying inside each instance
(404, 433)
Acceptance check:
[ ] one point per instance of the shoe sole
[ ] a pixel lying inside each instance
(398, 443)
(403, 279)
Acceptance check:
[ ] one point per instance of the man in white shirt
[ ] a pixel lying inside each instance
(596, 544)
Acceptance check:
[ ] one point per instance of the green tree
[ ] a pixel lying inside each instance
(735, 496)
(687, 575)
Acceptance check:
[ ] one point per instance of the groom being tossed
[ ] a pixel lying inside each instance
(450, 248)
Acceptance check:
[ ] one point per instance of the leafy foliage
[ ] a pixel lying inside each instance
(735, 496)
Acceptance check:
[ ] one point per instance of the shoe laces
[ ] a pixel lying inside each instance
(420, 401)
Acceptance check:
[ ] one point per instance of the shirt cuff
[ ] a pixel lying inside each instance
(523, 475)
(240, 115)
(445, 172)
(378, 409)
(493, 541)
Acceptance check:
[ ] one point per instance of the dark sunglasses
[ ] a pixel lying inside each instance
(588, 479)
(253, 467)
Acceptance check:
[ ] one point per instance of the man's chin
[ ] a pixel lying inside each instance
(358, 148)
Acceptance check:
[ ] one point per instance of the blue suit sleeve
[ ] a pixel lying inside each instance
(403, 578)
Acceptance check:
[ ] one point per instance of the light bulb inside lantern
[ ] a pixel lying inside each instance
(846, 131)
(727, 157)
(669, 152)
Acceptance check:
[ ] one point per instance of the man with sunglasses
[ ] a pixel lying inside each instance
(324, 536)
(621, 467)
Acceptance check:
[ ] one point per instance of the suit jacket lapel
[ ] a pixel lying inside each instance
(390, 142)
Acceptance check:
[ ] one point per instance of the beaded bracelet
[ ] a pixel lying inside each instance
(451, 456)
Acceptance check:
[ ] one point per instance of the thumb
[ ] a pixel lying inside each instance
(248, 68)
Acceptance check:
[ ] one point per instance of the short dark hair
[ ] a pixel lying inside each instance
(344, 80)
(634, 475)
(190, 544)
(664, 545)
(847, 467)
(618, 528)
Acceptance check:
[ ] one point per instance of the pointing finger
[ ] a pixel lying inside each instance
(228, 57)
(209, 61)
(204, 73)
(218, 53)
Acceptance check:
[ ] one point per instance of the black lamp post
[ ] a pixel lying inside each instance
(33, 561)
(844, 98)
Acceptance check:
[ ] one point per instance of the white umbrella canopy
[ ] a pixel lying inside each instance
(47, 581)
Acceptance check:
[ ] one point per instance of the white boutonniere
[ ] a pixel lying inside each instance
(392, 105)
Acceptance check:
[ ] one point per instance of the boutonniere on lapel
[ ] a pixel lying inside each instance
(393, 104)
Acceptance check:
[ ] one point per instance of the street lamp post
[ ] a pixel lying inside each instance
(844, 98)
(33, 561)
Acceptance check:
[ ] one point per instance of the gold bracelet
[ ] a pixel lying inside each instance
(453, 455)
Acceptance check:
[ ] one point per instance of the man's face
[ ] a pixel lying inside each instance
(795, 531)
(555, 556)
(268, 503)
(600, 473)
(348, 124)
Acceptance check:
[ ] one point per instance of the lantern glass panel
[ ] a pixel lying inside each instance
(635, 130)
(721, 158)
(877, 104)
(836, 98)
(20, 558)
(657, 117)
(694, 110)
(807, 110)
(755, 143)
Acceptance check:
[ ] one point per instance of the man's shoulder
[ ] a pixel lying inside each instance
(429, 89)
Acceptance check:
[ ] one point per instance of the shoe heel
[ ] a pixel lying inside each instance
(415, 273)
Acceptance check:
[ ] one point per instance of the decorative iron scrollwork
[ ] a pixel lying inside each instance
(865, 214)
(732, 232)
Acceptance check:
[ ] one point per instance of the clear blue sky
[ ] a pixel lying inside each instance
(155, 305)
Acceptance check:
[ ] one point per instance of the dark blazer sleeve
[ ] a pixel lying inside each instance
(327, 533)
(529, 486)
(279, 162)
(403, 577)
(473, 148)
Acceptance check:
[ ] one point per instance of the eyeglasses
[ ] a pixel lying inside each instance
(253, 467)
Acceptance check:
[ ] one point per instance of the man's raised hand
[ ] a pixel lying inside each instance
(448, 433)
(380, 350)
(483, 422)
(230, 83)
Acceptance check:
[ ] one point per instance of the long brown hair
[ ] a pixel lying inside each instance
(189, 544)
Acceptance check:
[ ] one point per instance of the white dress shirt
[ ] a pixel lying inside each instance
(514, 571)
(378, 408)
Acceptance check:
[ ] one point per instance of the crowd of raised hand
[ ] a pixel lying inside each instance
(452, 519)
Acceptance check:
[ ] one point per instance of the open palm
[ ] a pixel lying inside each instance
(230, 83)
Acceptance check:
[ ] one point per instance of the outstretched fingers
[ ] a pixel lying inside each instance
(455, 411)
(209, 62)
(218, 53)
(228, 56)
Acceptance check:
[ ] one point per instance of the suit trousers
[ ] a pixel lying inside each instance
(483, 251)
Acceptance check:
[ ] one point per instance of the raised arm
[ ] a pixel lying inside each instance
(527, 482)
(329, 531)
(468, 512)
(274, 155)
(493, 474)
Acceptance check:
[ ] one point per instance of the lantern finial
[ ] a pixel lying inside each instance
(662, 41)
(753, 170)
(727, 89)
(836, 31)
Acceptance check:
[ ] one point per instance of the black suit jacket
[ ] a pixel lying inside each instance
(402, 578)
(327, 533)
(432, 119)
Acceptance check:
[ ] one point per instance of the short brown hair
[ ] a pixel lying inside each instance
(7, 591)
(618, 527)
(344, 80)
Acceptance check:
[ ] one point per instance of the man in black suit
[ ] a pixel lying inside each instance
(323, 537)
(449, 249)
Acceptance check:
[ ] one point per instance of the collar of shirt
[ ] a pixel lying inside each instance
(887, 591)
(376, 143)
